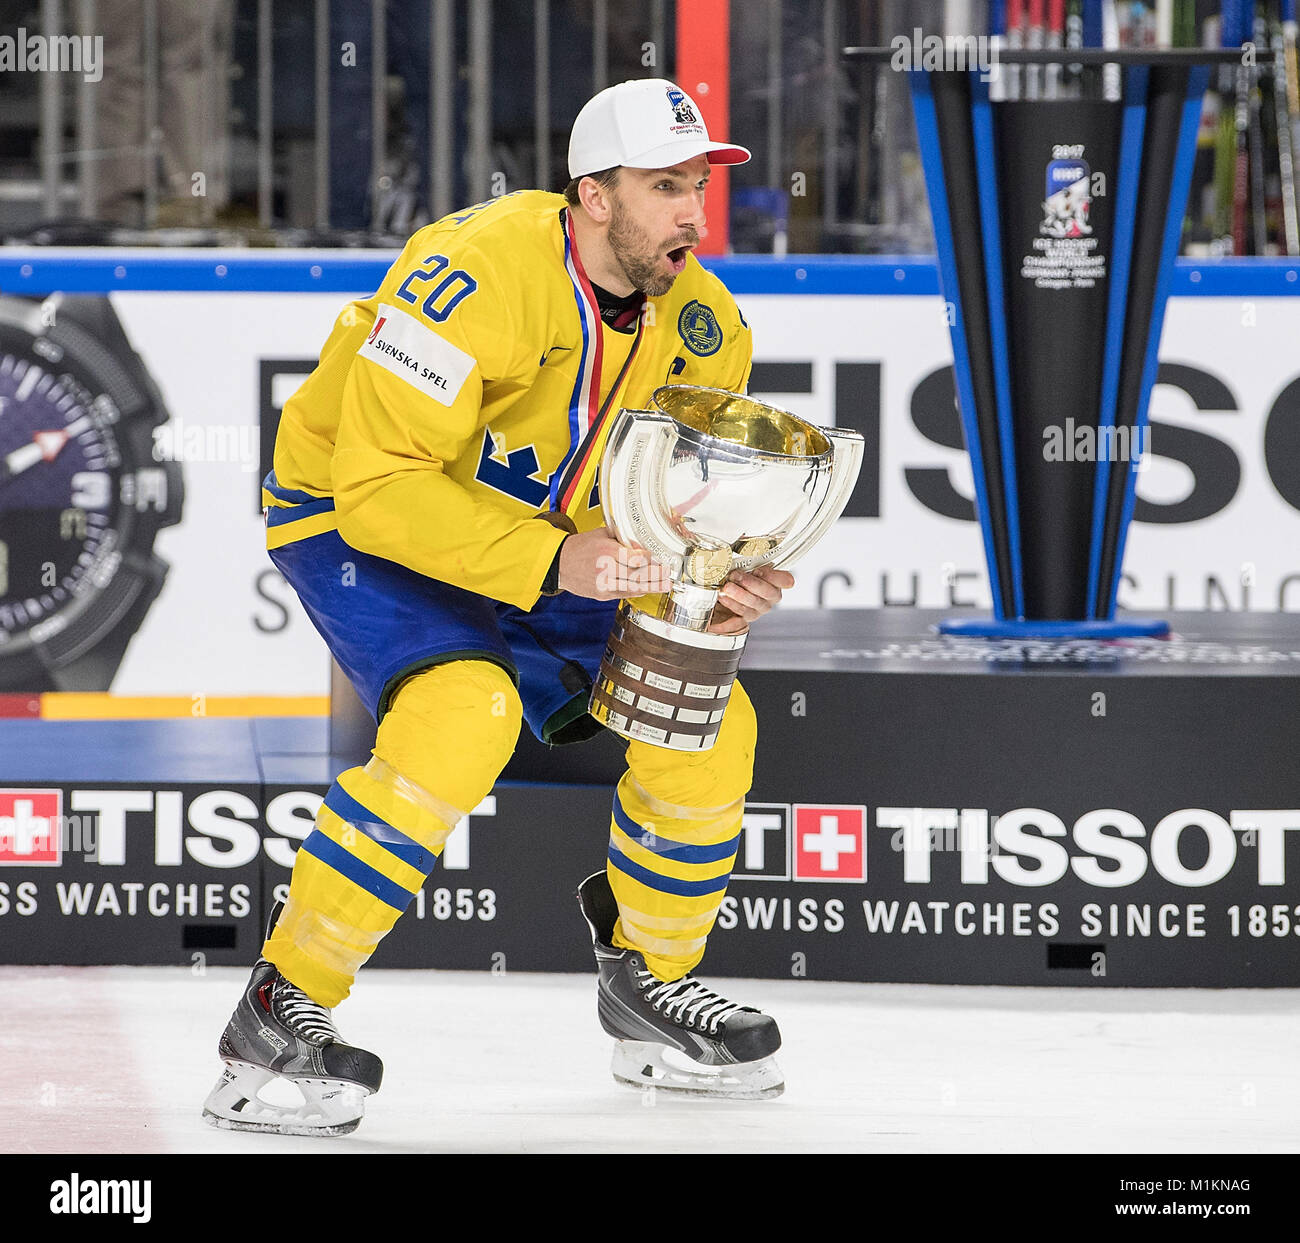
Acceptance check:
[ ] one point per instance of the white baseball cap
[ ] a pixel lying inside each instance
(644, 123)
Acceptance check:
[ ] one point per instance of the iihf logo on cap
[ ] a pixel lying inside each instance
(682, 110)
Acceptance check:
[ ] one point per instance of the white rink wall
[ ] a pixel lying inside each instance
(226, 624)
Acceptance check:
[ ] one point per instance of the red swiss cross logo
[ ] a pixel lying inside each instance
(29, 827)
(829, 842)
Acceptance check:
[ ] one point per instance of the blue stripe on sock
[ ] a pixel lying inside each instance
(360, 874)
(679, 852)
(667, 884)
(393, 840)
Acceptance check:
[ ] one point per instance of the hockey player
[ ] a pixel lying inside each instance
(434, 503)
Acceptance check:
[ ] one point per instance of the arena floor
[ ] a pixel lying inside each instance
(119, 1059)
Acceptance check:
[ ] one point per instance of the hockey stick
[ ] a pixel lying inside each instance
(1164, 23)
(1034, 41)
(1290, 34)
(1055, 41)
(1285, 143)
(1289, 39)
(1015, 41)
(1255, 143)
(1241, 124)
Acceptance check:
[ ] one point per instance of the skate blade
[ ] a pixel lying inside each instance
(329, 1106)
(640, 1064)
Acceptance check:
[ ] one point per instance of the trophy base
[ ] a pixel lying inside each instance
(1096, 628)
(664, 684)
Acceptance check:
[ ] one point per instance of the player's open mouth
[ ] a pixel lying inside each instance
(677, 258)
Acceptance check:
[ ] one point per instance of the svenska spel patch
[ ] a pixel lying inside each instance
(400, 343)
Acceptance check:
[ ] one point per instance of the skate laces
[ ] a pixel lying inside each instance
(687, 1000)
(307, 1018)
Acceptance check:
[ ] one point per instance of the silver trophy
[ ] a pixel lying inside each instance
(707, 482)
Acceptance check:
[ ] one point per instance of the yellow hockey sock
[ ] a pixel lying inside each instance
(382, 827)
(674, 833)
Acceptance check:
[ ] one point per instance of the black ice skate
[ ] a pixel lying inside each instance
(679, 1036)
(278, 1033)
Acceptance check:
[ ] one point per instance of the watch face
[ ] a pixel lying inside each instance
(62, 522)
(77, 483)
(81, 496)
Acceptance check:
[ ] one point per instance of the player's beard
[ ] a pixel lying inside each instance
(637, 255)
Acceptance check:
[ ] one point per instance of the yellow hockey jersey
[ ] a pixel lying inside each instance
(458, 402)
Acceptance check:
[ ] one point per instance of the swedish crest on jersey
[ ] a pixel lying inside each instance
(698, 327)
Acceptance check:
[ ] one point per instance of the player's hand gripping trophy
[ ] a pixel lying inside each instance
(707, 482)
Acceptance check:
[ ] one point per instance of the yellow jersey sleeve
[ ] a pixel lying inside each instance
(740, 360)
(444, 327)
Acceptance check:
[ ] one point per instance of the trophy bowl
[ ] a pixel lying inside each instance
(708, 482)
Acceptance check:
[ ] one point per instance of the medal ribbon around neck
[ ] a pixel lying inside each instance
(588, 416)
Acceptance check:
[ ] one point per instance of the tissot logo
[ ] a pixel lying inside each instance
(764, 852)
(829, 842)
(29, 826)
(1029, 847)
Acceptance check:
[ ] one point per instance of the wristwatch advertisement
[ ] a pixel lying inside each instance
(82, 497)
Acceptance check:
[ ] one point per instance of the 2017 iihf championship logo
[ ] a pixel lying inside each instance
(1067, 199)
(683, 113)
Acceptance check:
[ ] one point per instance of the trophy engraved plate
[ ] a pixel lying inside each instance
(661, 683)
(707, 482)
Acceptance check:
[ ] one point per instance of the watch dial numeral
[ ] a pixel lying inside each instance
(91, 489)
(151, 489)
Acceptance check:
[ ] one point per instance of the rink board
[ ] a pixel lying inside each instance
(923, 811)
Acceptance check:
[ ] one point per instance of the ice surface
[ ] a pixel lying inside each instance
(119, 1059)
